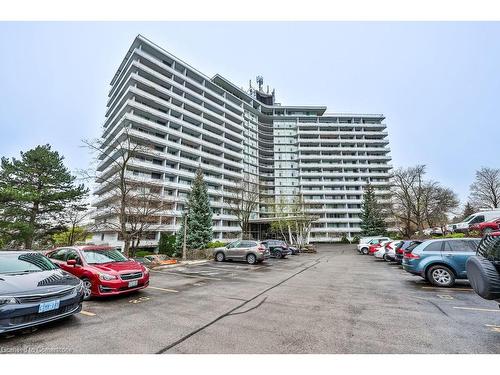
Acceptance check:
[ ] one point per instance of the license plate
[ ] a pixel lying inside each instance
(131, 284)
(48, 306)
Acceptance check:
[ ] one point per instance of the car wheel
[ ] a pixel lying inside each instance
(219, 257)
(364, 250)
(87, 289)
(251, 259)
(441, 276)
(279, 255)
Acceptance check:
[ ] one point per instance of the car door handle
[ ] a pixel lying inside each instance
(448, 255)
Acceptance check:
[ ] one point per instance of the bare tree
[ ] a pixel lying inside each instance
(281, 222)
(485, 190)
(144, 213)
(301, 221)
(243, 201)
(76, 214)
(438, 201)
(124, 196)
(418, 203)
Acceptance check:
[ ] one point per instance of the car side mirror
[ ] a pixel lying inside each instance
(71, 262)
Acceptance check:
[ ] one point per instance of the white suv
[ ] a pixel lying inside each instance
(365, 242)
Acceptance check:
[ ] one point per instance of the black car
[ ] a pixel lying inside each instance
(483, 269)
(33, 291)
(278, 249)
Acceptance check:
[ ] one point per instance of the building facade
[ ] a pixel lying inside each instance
(189, 120)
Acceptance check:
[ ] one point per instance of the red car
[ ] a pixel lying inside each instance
(373, 248)
(104, 270)
(486, 226)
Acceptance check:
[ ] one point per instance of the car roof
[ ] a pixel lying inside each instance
(16, 251)
(87, 247)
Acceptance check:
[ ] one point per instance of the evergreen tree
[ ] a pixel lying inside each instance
(34, 192)
(468, 210)
(373, 223)
(199, 220)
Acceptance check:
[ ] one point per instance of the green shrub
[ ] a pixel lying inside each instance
(344, 239)
(142, 253)
(166, 245)
(355, 239)
(214, 244)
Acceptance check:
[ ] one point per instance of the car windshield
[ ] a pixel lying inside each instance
(103, 256)
(24, 263)
(466, 220)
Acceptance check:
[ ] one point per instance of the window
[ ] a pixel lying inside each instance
(247, 244)
(72, 254)
(59, 254)
(459, 246)
(434, 246)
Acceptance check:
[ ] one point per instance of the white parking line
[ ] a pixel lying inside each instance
(476, 309)
(185, 275)
(493, 327)
(83, 312)
(448, 289)
(164, 289)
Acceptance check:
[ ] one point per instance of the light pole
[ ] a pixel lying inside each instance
(184, 251)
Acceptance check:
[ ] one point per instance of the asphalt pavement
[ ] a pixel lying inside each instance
(335, 301)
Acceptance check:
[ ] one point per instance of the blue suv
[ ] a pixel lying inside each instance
(441, 261)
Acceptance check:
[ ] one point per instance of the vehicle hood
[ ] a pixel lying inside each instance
(118, 267)
(36, 282)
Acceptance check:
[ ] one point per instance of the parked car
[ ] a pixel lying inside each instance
(245, 250)
(390, 250)
(379, 249)
(403, 246)
(363, 247)
(277, 249)
(435, 231)
(294, 250)
(487, 226)
(483, 269)
(440, 261)
(34, 291)
(104, 270)
(375, 247)
(478, 217)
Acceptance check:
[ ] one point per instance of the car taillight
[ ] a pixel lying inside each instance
(399, 251)
(261, 249)
(411, 256)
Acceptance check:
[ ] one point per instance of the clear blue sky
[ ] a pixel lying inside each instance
(437, 83)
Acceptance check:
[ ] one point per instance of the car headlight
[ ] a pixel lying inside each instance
(79, 287)
(7, 300)
(146, 271)
(107, 276)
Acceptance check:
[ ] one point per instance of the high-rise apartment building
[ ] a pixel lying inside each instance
(190, 120)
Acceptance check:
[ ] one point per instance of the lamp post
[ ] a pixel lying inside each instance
(184, 250)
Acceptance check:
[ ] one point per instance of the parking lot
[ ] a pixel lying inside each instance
(335, 301)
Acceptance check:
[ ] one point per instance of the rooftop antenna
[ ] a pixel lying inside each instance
(260, 82)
